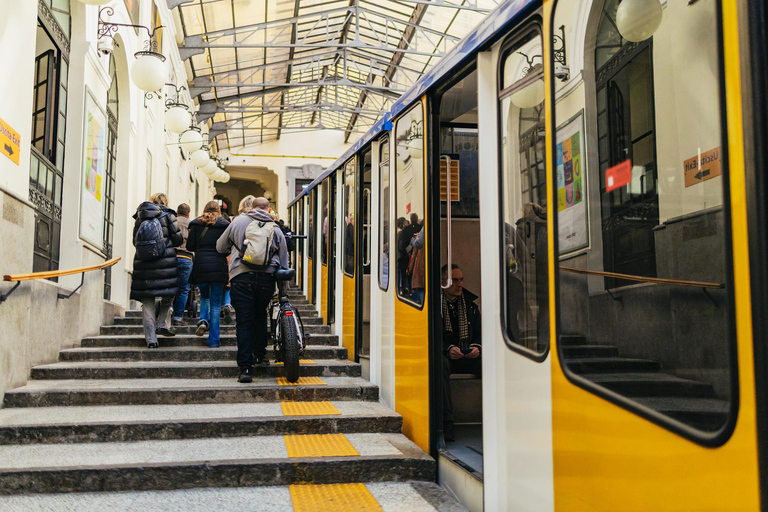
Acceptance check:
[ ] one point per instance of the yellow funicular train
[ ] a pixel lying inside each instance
(596, 170)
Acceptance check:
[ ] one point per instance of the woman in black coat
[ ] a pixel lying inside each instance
(210, 272)
(157, 278)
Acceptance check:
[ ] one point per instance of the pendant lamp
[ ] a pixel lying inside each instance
(191, 140)
(637, 20)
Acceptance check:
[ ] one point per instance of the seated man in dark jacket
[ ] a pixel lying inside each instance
(461, 338)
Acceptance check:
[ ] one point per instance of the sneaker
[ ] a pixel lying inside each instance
(214, 345)
(262, 361)
(228, 310)
(246, 375)
(165, 332)
(201, 328)
(153, 345)
(179, 322)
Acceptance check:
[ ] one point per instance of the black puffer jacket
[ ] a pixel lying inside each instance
(157, 278)
(210, 265)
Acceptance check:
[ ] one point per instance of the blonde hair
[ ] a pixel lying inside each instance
(246, 204)
(159, 198)
(211, 213)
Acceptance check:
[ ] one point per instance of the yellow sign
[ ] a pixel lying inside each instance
(702, 167)
(9, 142)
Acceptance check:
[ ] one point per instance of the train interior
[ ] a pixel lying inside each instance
(364, 331)
(458, 139)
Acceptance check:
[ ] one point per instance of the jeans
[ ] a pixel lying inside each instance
(227, 300)
(463, 365)
(155, 317)
(210, 310)
(180, 304)
(251, 294)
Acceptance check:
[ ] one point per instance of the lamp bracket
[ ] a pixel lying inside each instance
(559, 53)
(109, 29)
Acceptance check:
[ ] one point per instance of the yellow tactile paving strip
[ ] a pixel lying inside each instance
(301, 361)
(333, 497)
(319, 445)
(309, 408)
(303, 381)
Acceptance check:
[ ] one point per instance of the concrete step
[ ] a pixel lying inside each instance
(584, 351)
(391, 497)
(186, 340)
(190, 329)
(611, 365)
(51, 393)
(48, 425)
(571, 339)
(708, 414)
(135, 320)
(184, 370)
(226, 353)
(652, 384)
(211, 462)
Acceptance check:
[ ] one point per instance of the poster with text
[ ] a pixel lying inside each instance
(571, 185)
(93, 171)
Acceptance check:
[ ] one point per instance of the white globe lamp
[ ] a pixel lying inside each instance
(191, 140)
(226, 178)
(210, 168)
(637, 20)
(148, 72)
(416, 148)
(530, 95)
(219, 176)
(200, 158)
(177, 119)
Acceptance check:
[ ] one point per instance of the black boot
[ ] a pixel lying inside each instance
(246, 375)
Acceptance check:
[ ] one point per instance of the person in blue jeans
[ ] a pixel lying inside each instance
(185, 260)
(209, 272)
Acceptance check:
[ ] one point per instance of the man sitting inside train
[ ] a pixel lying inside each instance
(461, 339)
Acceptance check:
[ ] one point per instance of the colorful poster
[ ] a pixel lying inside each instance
(571, 186)
(93, 171)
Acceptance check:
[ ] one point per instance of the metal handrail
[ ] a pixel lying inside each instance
(18, 278)
(644, 279)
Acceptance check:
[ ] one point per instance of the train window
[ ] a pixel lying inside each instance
(523, 228)
(641, 214)
(384, 212)
(349, 196)
(311, 217)
(324, 232)
(409, 206)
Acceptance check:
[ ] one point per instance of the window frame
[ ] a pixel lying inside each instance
(534, 27)
(707, 439)
(384, 142)
(418, 105)
(349, 166)
(325, 204)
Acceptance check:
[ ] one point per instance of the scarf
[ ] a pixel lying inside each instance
(462, 315)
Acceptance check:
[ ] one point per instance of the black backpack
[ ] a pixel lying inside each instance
(290, 243)
(149, 241)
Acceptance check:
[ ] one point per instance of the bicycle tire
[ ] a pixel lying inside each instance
(291, 348)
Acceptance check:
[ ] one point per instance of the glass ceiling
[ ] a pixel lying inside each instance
(264, 67)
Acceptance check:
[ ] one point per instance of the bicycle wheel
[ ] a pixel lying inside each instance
(291, 348)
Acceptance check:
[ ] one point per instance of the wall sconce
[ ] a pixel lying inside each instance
(531, 92)
(637, 20)
(148, 72)
(561, 67)
(192, 139)
(201, 157)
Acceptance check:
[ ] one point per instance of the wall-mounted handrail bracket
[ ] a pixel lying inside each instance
(68, 295)
(5, 296)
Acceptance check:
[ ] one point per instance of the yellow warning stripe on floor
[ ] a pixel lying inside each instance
(319, 445)
(303, 381)
(309, 409)
(301, 361)
(335, 497)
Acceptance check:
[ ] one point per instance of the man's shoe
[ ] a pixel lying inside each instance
(262, 361)
(177, 323)
(153, 345)
(201, 328)
(165, 332)
(228, 310)
(449, 431)
(246, 375)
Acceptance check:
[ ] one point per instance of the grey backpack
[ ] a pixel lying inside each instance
(258, 248)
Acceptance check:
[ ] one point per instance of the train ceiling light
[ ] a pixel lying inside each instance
(637, 20)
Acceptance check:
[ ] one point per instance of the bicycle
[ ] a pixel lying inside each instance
(286, 327)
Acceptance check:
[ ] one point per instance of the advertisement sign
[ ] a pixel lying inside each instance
(93, 172)
(571, 185)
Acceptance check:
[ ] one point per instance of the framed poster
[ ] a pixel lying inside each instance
(93, 172)
(572, 216)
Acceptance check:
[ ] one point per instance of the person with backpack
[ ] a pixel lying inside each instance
(289, 241)
(210, 270)
(257, 248)
(156, 233)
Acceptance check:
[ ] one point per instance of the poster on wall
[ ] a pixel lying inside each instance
(93, 171)
(571, 185)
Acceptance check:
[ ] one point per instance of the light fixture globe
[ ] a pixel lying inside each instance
(148, 72)
(226, 178)
(191, 140)
(416, 148)
(219, 175)
(529, 96)
(210, 168)
(95, 2)
(637, 20)
(200, 158)
(177, 119)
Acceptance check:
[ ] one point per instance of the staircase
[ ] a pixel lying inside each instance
(126, 428)
(690, 401)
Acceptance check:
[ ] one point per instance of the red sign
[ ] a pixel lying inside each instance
(618, 175)
(408, 208)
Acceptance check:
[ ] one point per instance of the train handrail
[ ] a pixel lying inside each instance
(644, 279)
(19, 278)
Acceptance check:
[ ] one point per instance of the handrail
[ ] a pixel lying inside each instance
(643, 279)
(18, 278)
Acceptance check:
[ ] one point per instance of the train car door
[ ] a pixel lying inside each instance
(311, 247)
(324, 245)
(363, 263)
(330, 316)
(299, 246)
(349, 222)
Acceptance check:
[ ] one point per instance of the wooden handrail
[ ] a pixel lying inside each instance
(643, 279)
(59, 273)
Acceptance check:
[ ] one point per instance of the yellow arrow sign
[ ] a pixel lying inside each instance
(9, 142)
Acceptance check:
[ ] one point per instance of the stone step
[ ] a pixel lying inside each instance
(109, 330)
(211, 462)
(184, 370)
(51, 393)
(584, 351)
(47, 425)
(391, 497)
(654, 384)
(224, 353)
(187, 340)
(611, 365)
(708, 414)
(134, 320)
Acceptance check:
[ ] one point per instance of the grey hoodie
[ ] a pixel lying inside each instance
(234, 238)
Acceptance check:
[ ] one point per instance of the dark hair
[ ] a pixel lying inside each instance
(211, 213)
(183, 210)
(414, 219)
(400, 222)
(444, 270)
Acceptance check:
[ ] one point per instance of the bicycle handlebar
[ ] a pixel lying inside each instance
(296, 236)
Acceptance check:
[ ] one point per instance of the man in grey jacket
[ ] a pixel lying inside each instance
(251, 290)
